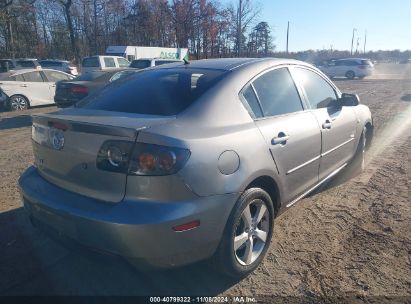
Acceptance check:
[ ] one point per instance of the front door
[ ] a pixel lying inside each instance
(338, 124)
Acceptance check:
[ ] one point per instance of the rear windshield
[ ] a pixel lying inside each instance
(154, 92)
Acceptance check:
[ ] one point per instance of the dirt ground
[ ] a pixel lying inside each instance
(350, 241)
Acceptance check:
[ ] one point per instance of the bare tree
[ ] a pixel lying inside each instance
(244, 14)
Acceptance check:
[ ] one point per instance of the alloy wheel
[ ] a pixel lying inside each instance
(18, 103)
(251, 232)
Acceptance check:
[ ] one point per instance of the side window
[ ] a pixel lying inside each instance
(45, 64)
(26, 64)
(319, 93)
(16, 78)
(53, 76)
(252, 102)
(109, 62)
(33, 77)
(122, 63)
(277, 93)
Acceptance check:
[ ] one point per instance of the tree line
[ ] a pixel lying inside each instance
(72, 29)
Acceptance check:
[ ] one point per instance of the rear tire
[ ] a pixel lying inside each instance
(350, 75)
(18, 103)
(247, 234)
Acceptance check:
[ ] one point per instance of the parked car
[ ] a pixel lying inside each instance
(95, 63)
(30, 87)
(69, 92)
(60, 65)
(150, 62)
(349, 68)
(181, 163)
(7, 65)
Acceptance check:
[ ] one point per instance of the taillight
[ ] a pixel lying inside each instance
(114, 156)
(148, 159)
(141, 158)
(79, 89)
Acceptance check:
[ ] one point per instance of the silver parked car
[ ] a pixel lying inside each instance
(177, 164)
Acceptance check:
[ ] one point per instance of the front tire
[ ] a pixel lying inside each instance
(359, 158)
(247, 235)
(18, 103)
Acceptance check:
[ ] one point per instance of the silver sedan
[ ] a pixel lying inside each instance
(186, 162)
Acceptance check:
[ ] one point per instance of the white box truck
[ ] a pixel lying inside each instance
(142, 52)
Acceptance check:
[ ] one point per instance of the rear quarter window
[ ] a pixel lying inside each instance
(154, 92)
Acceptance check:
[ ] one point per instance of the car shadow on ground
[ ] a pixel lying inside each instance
(35, 264)
(20, 121)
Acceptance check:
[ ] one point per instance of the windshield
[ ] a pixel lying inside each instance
(156, 92)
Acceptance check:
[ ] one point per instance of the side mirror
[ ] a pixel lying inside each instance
(349, 100)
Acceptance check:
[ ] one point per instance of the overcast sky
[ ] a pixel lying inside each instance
(318, 24)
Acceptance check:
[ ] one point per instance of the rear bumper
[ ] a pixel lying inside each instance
(136, 230)
(64, 102)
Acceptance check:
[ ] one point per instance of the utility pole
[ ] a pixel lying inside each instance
(288, 32)
(365, 40)
(352, 40)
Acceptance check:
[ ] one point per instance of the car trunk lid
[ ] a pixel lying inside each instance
(66, 145)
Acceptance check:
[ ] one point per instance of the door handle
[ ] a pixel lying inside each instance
(281, 139)
(24, 85)
(327, 124)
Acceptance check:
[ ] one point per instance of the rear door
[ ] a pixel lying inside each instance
(292, 135)
(36, 89)
(338, 124)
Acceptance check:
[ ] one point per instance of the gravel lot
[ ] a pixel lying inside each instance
(350, 240)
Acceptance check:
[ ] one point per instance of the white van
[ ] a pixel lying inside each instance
(94, 63)
(139, 52)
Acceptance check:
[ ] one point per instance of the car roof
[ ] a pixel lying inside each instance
(229, 64)
(103, 56)
(57, 60)
(22, 71)
(353, 59)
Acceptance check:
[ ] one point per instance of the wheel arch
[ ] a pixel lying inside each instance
(268, 184)
(22, 95)
(369, 133)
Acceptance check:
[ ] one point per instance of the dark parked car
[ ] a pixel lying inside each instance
(60, 65)
(70, 92)
(7, 65)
